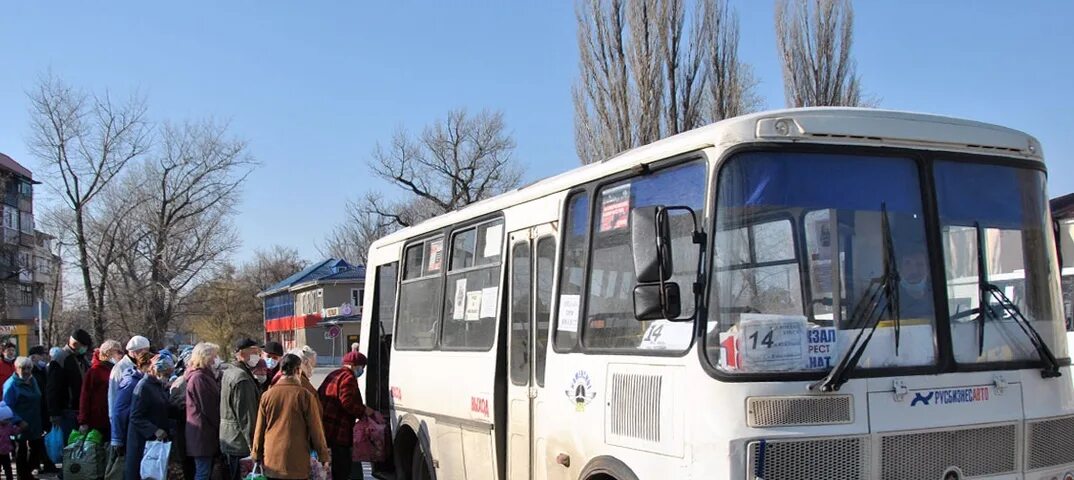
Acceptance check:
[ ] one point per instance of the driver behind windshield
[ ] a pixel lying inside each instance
(915, 290)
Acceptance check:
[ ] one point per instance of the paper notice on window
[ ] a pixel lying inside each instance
(568, 313)
(772, 342)
(459, 309)
(436, 256)
(615, 208)
(488, 302)
(473, 306)
(493, 238)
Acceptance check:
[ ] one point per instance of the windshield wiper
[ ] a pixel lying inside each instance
(987, 289)
(881, 295)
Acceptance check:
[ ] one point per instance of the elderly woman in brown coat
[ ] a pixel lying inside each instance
(289, 426)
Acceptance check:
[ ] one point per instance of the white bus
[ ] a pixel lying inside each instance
(798, 294)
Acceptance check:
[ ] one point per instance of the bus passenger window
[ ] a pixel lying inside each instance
(472, 301)
(609, 319)
(419, 296)
(546, 259)
(520, 314)
(575, 233)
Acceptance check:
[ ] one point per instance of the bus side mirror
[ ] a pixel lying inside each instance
(657, 301)
(655, 297)
(650, 238)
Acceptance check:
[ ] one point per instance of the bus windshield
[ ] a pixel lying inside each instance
(1004, 210)
(812, 248)
(801, 245)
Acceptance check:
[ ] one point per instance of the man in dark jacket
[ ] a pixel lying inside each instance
(240, 395)
(341, 405)
(39, 355)
(64, 385)
(271, 351)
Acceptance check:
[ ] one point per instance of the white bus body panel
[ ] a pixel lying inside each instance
(688, 425)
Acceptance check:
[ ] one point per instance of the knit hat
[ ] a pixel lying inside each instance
(83, 337)
(244, 343)
(273, 348)
(137, 342)
(355, 358)
(5, 412)
(38, 350)
(163, 362)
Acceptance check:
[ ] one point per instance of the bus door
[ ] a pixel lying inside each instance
(532, 255)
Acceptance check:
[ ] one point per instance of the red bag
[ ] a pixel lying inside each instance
(370, 439)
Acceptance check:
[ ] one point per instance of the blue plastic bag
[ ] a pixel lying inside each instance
(54, 445)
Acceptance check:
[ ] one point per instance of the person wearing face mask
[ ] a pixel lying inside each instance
(135, 347)
(39, 358)
(93, 401)
(240, 394)
(7, 362)
(22, 394)
(203, 408)
(341, 406)
(271, 353)
(149, 413)
(120, 410)
(64, 387)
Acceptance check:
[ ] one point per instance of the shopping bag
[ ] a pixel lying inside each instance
(54, 445)
(83, 460)
(246, 466)
(371, 439)
(155, 461)
(116, 464)
(255, 474)
(319, 471)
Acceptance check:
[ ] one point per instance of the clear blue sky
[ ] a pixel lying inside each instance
(313, 85)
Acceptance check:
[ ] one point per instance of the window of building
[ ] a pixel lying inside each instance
(472, 304)
(26, 222)
(357, 294)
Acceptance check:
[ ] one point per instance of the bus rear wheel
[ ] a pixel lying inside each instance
(419, 467)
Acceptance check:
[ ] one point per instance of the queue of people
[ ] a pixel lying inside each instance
(260, 407)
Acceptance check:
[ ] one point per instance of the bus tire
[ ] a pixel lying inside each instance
(419, 468)
(607, 468)
(406, 447)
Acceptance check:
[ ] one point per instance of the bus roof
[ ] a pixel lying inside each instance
(831, 125)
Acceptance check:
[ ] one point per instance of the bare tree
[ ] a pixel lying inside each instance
(182, 231)
(456, 161)
(815, 39)
(84, 141)
(648, 71)
(351, 239)
(270, 266)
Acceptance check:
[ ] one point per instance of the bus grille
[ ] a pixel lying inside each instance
(975, 451)
(802, 410)
(820, 459)
(1050, 443)
(634, 408)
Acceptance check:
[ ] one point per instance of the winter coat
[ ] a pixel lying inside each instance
(25, 401)
(65, 382)
(93, 403)
(41, 377)
(149, 412)
(120, 412)
(6, 431)
(239, 397)
(288, 427)
(202, 413)
(341, 405)
(7, 370)
(116, 376)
